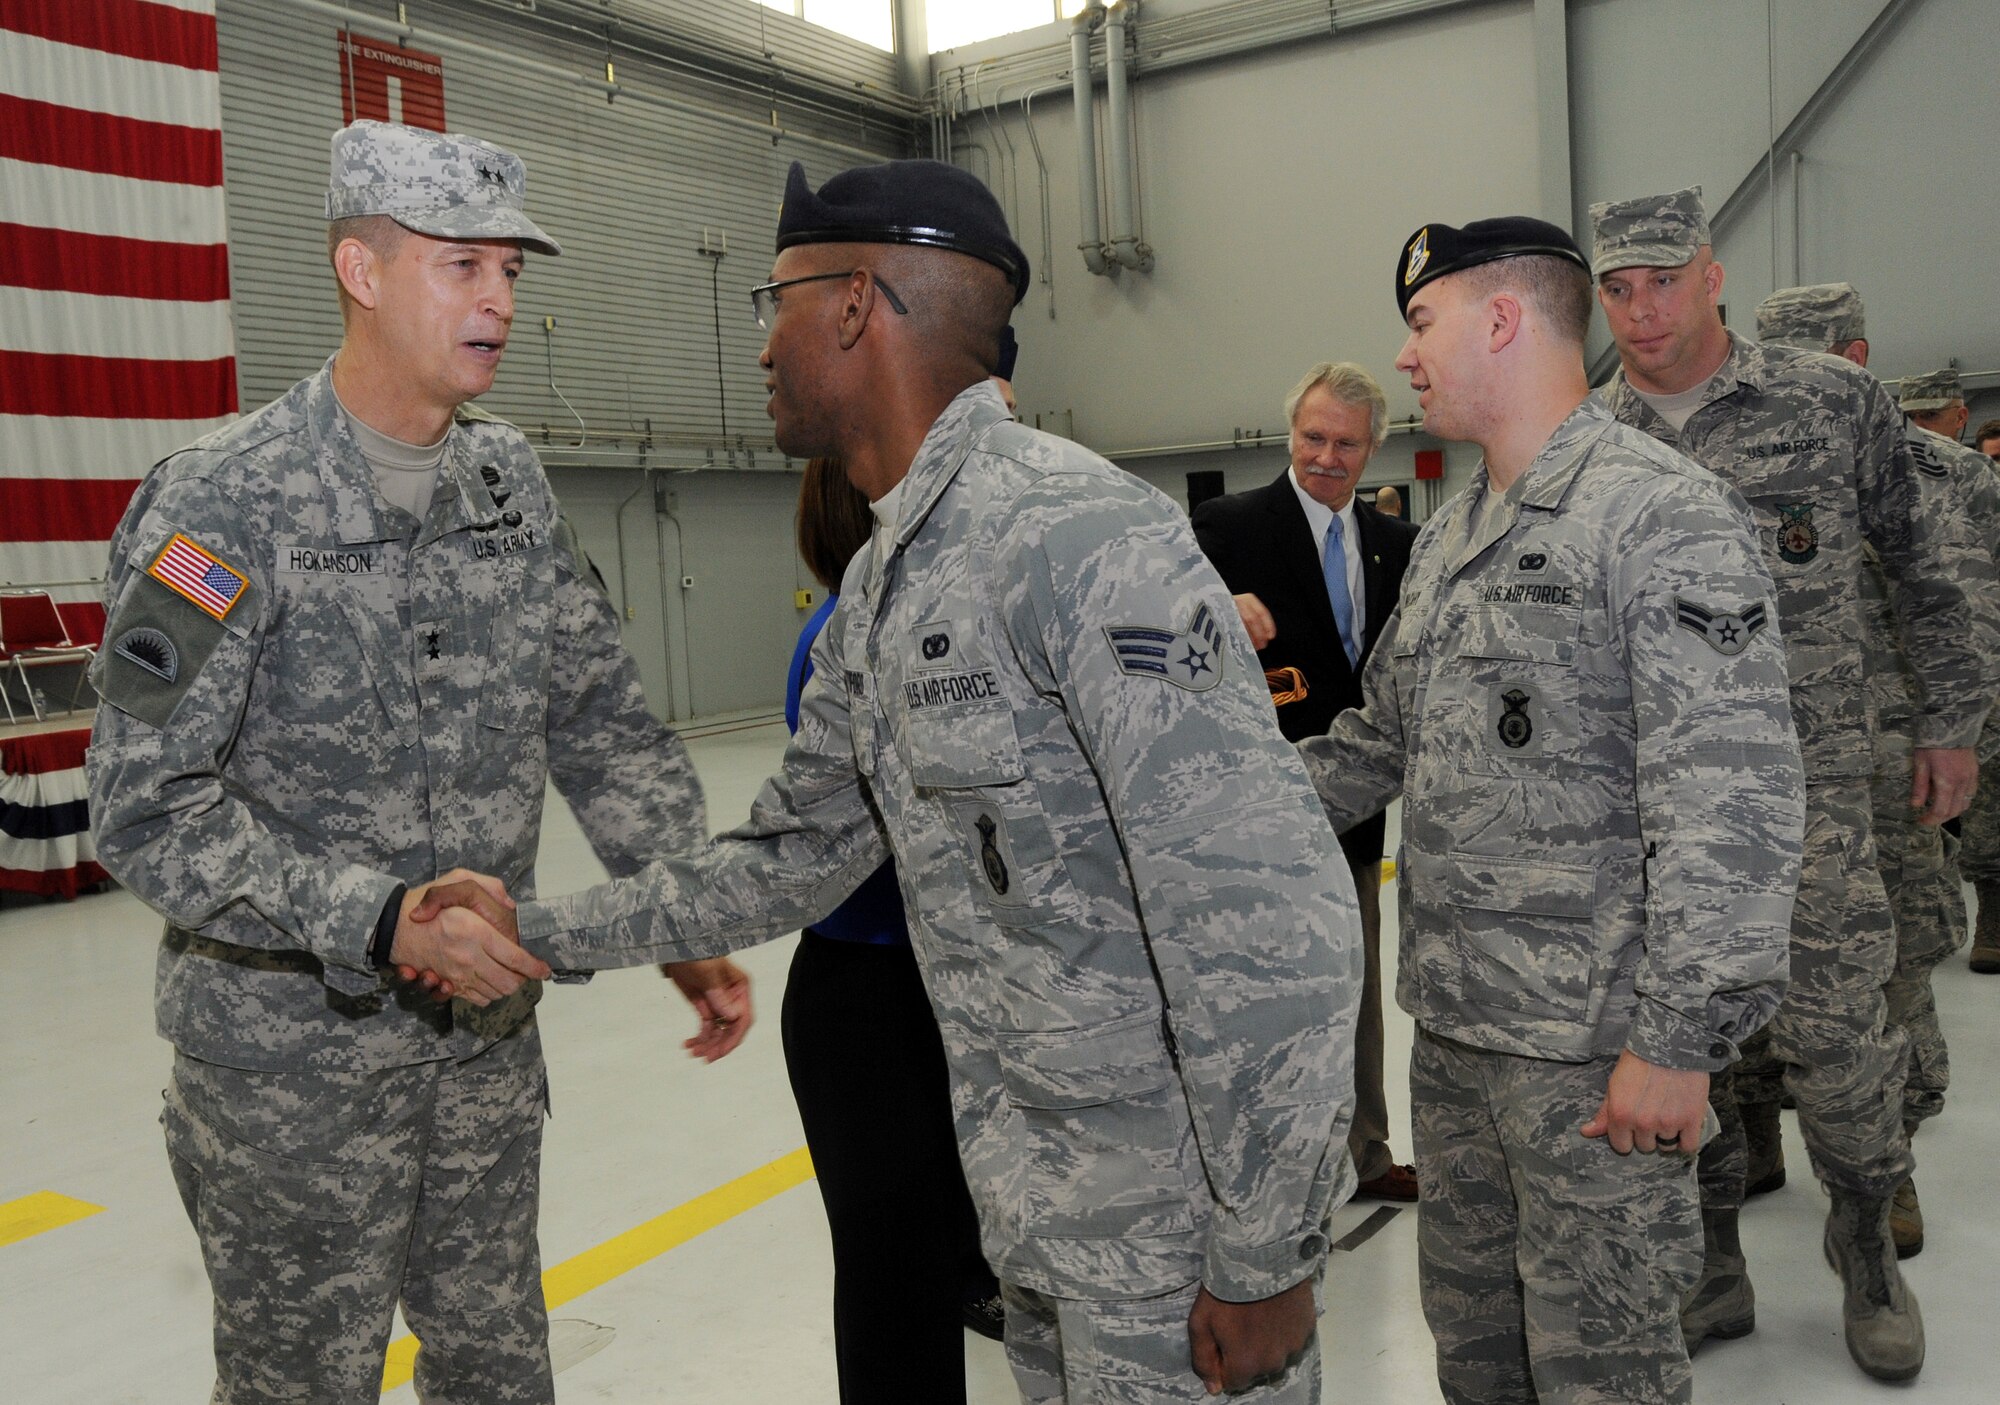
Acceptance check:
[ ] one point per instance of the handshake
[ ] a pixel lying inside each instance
(457, 939)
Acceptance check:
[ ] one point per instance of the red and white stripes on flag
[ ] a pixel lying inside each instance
(116, 345)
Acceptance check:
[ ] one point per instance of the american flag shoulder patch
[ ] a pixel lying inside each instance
(198, 577)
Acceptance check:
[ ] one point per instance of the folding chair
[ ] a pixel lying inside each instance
(33, 635)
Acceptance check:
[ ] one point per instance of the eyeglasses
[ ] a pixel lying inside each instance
(764, 297)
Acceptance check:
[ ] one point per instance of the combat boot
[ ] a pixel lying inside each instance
(1722, 1305)
(1906, 1221)
(1885, 1329)
(1986, 936)
(1765, 1136)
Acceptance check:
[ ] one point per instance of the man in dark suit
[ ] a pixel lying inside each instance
(1314, 601)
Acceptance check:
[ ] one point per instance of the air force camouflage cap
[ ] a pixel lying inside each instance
(1440, 249)
(1937, 390)
(1816, 317)
(903, 202)
(1653, 231)
(436, 183)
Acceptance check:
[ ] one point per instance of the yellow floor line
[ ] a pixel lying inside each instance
(44, 1210)
(593, 1268)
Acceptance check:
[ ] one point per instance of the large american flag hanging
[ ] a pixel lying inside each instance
(115, 339)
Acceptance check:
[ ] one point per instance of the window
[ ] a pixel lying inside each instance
(870, 21)
(955, 22)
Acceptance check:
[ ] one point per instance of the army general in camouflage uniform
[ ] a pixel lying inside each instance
(1582, 701)
(1137, 931)
(1816, 447)
(348, 646)
(1959, 496)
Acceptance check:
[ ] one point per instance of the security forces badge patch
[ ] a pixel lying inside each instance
(1798, 537)
(1191, 659)
(1727, 633)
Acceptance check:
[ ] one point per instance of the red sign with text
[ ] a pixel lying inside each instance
(390, 83)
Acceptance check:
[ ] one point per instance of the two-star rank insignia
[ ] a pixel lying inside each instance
(491, 176)
(1726, 633)
(1190, 658)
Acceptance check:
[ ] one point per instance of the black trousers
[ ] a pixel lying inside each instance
(867, 1068)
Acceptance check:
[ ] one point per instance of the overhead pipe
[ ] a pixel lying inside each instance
(1095, 257)
(1123, 176)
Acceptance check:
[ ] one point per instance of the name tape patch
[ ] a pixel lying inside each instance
(328, 561)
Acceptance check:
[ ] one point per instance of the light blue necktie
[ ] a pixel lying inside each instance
(1333, 565)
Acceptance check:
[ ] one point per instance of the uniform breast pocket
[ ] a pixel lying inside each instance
(1516, 675)
(1100, 1110)
(516, 695)
(969, 763)
(1794, 529)
(340, 702)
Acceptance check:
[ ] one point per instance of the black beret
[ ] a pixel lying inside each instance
(1010, 352)
(1438, 249)
(903, 202)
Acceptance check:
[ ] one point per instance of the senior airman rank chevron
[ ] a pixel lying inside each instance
(197, 577)
(1725, 633)
(1190, 659)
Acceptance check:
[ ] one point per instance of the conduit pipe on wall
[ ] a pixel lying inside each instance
(1122, 177)
(1092, 243)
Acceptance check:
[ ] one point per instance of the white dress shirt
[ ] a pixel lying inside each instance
(1320, 517)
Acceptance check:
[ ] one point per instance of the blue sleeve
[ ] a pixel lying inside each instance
(802, 669)
(874, 913)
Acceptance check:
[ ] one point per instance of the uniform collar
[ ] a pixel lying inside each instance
(471, 503)
(1542, 487)
(950, 440)
(359, 515)
(1748, 365)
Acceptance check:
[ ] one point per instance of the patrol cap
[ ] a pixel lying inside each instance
(1653, 231)
(1439, 249)
(1815, 317)
(903, 202)
(1933, 391)
(436, 183)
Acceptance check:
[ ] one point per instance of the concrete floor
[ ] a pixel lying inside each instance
(113, 1307)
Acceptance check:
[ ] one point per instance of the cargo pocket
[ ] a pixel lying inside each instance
(227, 1166)
(1103, 1125)
(1522, 936)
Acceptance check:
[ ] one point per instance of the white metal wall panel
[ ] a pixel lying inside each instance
(628, 188)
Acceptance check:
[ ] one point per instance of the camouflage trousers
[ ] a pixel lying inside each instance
(1068, 1351)
(1831, 1042)
(1920, 871)
(1551, 1267)
(321, 1199)
(1979, 826)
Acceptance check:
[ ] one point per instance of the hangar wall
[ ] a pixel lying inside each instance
(629, 189)
(1276, 187)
